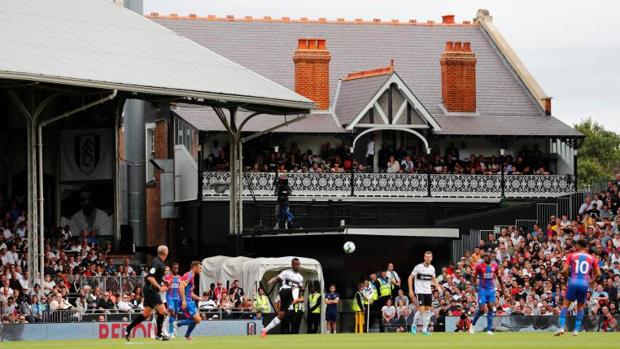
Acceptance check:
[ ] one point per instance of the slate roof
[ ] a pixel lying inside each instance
(355, 94)
(95, 43)
(204, 119)
(267, 47)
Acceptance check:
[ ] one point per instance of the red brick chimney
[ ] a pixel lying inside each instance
(312, 71)
(458, 77)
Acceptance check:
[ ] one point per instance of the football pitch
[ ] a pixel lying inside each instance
(346, 341)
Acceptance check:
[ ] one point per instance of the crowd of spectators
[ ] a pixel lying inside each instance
(75, 271)
(531, 264)
(401, 160)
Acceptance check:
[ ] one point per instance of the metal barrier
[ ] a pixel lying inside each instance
(524, 323)
(115, 284)
(98, 315)
(526, 224)
(544, 211)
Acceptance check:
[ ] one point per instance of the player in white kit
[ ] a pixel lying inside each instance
(424, 275)
(292, 282)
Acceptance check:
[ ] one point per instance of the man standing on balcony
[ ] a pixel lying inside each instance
(370, 152)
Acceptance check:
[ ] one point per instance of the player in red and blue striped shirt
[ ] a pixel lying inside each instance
(188, 306)
(173, 298)
(579, 267)
(485, 273)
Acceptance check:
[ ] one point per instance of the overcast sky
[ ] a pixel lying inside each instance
(571, 47)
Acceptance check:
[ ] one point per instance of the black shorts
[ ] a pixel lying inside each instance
(286, 298)
(151, 298)
(425, 300)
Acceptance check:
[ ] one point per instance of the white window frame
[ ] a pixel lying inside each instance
(149, 149)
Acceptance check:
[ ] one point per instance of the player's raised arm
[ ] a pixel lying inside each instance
(273, 280)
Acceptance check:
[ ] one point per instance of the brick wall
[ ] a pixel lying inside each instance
(312, 71)
(458, 77)
(156, 227)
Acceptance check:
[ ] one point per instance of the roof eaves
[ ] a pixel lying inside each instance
(285, 106)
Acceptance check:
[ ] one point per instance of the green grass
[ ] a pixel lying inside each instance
(345, 341)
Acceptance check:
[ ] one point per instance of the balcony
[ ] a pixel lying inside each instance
(389, 186)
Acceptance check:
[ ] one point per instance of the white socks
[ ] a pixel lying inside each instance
(416, 317)
(275, 322)
(426, 318)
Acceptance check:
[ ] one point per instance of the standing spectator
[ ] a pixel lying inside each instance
(314, 310)
(236, 294)
(394, 279)
(370, 151)
(331, 310)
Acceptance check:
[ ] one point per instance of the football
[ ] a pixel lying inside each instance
(349, 247)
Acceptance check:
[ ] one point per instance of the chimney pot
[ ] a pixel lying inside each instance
(211, 17)
(154, 14)
(413, 21)
(322, 19)
(340, 19)
(286, 19)
(359, 20)
(267, 18)
(312, 70)
(458, 46)
(447, 19)
(304, 19)
(466, 47)
(249, 18)
(395, 21)
(174, 14)
(192, 15)
(377, 20)
(230, 17)
(449, 46)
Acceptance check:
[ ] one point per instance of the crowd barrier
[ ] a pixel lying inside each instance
(523, 323)
(115, 330)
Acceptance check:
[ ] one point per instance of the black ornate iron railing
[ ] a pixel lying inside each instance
(394, 185)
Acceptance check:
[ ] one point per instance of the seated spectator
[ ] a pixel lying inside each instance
(388, 312)
(124, 304)
(392, 165)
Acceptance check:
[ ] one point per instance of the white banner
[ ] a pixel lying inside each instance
(87, 154)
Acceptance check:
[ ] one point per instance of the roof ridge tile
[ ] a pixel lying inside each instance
(324, 20)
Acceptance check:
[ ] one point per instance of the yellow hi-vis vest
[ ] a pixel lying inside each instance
(312, 299)
(355, 307)
(298, 307)
(375, 292)
(262, 304)
(386, 289)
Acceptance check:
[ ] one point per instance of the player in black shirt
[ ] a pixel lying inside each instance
(151, 293)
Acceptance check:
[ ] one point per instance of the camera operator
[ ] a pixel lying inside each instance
(283, 212)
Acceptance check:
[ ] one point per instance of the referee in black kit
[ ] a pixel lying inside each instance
(151, 294)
